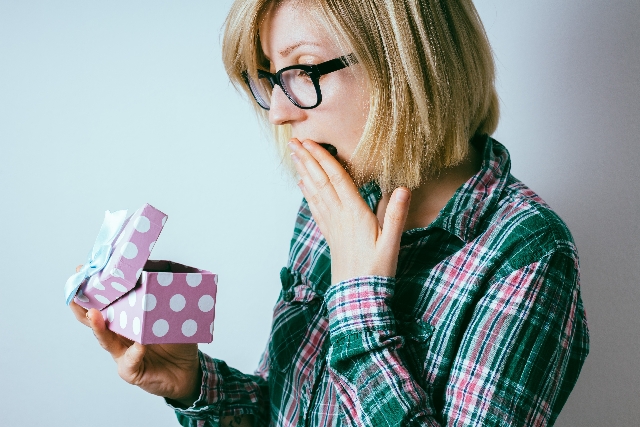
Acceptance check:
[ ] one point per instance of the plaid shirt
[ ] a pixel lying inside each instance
(482, 325)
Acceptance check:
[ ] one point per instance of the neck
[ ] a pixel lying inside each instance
(433, 194)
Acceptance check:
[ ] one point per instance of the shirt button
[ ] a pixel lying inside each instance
(288, 296)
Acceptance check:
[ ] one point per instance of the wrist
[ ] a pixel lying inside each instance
(193, 392)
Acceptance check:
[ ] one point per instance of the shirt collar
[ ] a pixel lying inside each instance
(471, 203)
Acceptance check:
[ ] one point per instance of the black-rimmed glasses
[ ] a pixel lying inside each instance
(301, 83)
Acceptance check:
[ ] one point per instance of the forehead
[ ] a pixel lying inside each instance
(289, 25)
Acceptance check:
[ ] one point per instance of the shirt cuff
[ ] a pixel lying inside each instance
(209, 396)
(360, 305)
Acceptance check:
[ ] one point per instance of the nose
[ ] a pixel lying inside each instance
(282, 110)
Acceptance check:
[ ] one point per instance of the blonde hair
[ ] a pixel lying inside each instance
(431, 80)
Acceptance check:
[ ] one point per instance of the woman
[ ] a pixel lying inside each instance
(425, 284)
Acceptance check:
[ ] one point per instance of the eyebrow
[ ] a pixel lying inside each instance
(287, 51)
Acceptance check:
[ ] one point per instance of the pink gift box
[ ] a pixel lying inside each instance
(172, 303)
(151, 302)
(130, 252)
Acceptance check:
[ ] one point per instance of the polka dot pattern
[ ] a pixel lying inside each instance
(131, 297)
(117, 273)
(149, 302)
(101, 299)
(189, 328)
(136, 325)
(194, 279)
(118, 287)
(177, 302)
(173, 305)
(142, 224)
(129, 250)
(96, 284)
(130, 253)
(160, 328)
(165, 279)
(205, 303)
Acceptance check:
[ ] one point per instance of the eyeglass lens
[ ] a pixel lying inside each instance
(297, 84)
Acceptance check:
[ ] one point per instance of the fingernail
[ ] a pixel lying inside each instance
(294, 158)
(291, 145)
(402, 195)
(306, 145)
(87, 316)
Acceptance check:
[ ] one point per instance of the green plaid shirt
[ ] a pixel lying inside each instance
(482, 325)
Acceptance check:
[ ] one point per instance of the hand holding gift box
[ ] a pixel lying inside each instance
(145, 301)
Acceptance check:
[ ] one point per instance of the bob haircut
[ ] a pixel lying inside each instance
(430, 74)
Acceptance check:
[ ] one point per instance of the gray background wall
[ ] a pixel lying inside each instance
(107, 105)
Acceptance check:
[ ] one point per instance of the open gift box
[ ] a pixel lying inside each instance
(171, 303)
(150, 302)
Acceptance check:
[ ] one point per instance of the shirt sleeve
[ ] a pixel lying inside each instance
(524, 347)
(374, 387)
(518, 360)
(226, 391)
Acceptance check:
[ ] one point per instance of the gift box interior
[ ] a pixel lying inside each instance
(153, 266)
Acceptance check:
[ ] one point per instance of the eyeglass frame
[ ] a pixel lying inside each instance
(315, 71)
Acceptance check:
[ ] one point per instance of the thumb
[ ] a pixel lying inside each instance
(131, 361)
(395, 217)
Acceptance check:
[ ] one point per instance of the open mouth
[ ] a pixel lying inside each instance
(330, 148)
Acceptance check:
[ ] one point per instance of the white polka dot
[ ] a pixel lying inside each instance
(205, 303)
(189, 328)
(136, 325)
(194, 279)
(151, 246)
(123, 319)
(164, 278)
(110, 314)
(211, 328)
(149, 302)
(160, 328)
(95, 283)
(132, 298)
(164, 220)
(81, 297)
(117, 273)
(101, 299)
(118, 287)
(138, 274)
(142, 224)
(177, 302)
(129, 250)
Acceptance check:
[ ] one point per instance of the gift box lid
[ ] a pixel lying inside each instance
(117, 258)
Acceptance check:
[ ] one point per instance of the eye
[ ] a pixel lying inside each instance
(303, 75)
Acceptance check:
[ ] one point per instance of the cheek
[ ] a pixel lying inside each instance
(345, 108)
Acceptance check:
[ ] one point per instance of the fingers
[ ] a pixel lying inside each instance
(395, 218)
(317, 184)
(338, 176)
(109, 340)
(80, 313)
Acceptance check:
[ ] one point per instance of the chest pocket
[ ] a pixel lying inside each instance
(293, 319)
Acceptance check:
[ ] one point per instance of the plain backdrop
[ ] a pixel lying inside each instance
(108, 105)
